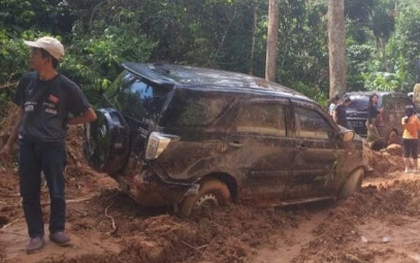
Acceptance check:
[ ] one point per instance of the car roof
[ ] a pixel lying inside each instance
(199, 78)
(379, 93)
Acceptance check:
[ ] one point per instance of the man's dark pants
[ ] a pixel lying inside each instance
(51, 159)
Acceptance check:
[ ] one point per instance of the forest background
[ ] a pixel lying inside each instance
(382, 37)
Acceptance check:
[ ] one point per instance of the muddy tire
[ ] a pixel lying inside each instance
(352, 184)
(211, 193)
(393, 138)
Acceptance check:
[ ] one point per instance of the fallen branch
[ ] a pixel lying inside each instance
(114, 228)
(73, 156)
(9, 85)
(193, 247)
(78, 200)
(11, 223)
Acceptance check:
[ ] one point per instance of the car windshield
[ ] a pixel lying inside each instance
(359, 102)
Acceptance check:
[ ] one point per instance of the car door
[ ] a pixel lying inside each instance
(260, 149)
(315, 153)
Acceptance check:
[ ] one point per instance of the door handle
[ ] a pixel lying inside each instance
(235, 144)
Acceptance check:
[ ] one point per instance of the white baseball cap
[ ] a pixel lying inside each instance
(50, 44)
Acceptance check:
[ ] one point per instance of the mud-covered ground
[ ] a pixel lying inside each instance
(379, 224)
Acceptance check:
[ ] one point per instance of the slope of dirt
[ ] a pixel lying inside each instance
(378, 224)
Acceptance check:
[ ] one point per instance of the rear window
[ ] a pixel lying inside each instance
(137, 98)
(195, 108)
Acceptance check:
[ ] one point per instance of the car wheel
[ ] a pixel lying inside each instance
(393, 138)
(211, 193)
(352, 184)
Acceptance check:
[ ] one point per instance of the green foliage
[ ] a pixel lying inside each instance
(3, 101)
(313, 92)
(95, 62)
(383, 25)
(359, 57)
(407, 40)
(383, 81)
(44, 15)
(303, 48)
(14, 57)
(382, 45)
(359, 11)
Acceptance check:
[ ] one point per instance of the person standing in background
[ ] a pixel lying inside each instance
(333, 103)
(371, 122)
(340, 113)
(48, 102)
(411, 125)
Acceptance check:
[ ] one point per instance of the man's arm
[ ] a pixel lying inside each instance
(88, 116)
(5, 151)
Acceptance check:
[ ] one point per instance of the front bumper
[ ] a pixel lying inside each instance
(148, 189)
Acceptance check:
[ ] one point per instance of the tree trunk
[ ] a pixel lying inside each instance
(272, 36)
(382, 53)
(337, 47)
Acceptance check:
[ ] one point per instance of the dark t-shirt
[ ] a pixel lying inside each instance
(46, 106)
(372, 113)
(340, 112)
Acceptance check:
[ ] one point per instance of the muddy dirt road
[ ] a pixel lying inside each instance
(379, 224)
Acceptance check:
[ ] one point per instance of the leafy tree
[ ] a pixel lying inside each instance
(44, 15)
(407, 41)
(226, 34)
(383, 25)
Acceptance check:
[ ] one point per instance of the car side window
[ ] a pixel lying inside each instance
(268, 119)
(194, 109)
(311, 124)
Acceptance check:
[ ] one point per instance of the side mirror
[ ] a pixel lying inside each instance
(346, 136)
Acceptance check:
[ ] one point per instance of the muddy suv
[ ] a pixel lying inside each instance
(389, 121)
(194, 137)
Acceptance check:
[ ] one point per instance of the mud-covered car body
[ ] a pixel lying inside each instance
(388, 121)
(166, 129)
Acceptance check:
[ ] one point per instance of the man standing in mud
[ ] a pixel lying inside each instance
(45, 99)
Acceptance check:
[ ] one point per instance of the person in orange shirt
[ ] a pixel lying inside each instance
(411, 125)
